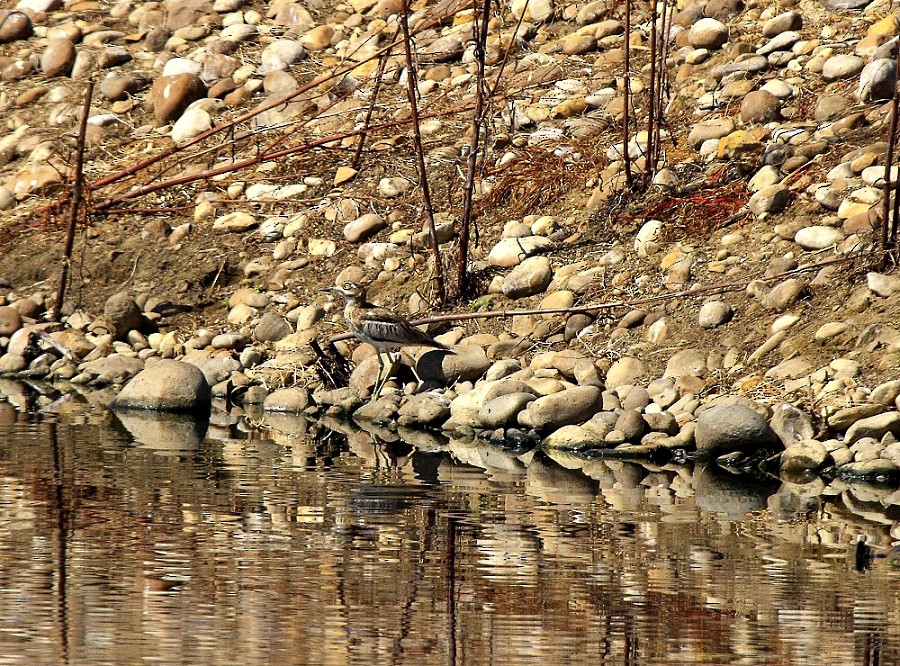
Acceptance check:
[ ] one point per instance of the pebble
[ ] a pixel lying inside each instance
(122, 315)
(364, 227)
(830, 330)
(765, 177)
(686, 362)
(235, 222)
(116, 87)
(393, 187)
(287, 400)
(177, 66)
(626, 371)
(783, 22)
(58, 58)
(578, 44)
(568, 407)
(737, 144)
(830, 107)
(535, 11)
(424, 409)
(531, 277)
(873, 426)
(883, 285)
(708, 33)
(875, 175)
(171, 95)
(280, 55)
(466, 363)
(572, 438)
(512, 251)
(877, 80)
(10, 320)
(168, 386)
(714, 314)
(504, 410)
(858, 201)
(272, 328)
(14, 26)
(318, 38)
(804, 456)
(780, 297)
(770, 199)
(35, 180)
(842, 66)
(818, 237)
(760, 106)
(791, 424)
(645, 242)
(780, 42)
(746, 65)
(710, 129)
(193, 122)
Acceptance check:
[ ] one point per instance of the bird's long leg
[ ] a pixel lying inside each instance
(416, 375)
(378, 378)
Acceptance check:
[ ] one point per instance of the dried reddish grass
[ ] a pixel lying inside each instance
(700, 212)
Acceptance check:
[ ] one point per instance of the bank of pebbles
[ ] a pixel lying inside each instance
(794, 93)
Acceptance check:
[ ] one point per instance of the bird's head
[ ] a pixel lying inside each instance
(350, 291)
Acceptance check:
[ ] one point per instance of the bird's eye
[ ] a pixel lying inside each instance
(348, 286)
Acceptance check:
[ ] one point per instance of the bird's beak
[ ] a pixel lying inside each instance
(329, 290)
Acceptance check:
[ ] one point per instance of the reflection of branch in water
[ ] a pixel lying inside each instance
(62, 540)
(451, 590)
(424, 549)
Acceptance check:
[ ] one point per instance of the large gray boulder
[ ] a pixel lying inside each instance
(729, 428)
(167, 386)
(572, 406)
(123, 315)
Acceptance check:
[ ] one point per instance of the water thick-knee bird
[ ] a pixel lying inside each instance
(382, 328)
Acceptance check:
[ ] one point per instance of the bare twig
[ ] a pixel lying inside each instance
(462, 275)
(106, 204)
(662, 86)
(75, 206)
(376, 88)
(215, 280)
(719, 287)
(652, 120)
(888, 186)
(230, 125)
(626, 114)
(508, 51)
(889, 223)
(412, 92)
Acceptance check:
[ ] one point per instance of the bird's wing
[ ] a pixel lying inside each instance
(385, 326)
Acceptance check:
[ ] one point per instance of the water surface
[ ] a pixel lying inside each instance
(286, 543)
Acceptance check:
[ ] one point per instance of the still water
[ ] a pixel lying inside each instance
(281, 542)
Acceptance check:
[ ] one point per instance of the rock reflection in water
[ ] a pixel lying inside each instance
(278, 541)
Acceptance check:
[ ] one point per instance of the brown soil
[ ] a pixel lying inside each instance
(128, 251)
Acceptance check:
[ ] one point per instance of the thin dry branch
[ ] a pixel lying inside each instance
(719, 287)
(478, 118)
(626, 115)
(373, 100)
(889, 222)
(412, 92)
(75, 205)
(232, 167)
(342, 71)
